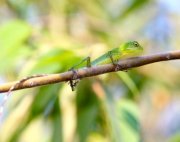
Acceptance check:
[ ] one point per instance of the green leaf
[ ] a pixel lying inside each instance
(133, 6)
(57, 134)
(122, 117)
(129, 124)
(87, 110)
(112, 116)
(43, 104)
(55, 60)
(45, 97)
(175, 137)
(13, 36)
(129, 82)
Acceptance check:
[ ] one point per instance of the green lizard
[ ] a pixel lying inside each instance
(126, 50)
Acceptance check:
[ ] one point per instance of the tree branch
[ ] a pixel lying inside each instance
(93, 71)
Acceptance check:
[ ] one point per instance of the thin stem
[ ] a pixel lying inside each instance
(92, 71)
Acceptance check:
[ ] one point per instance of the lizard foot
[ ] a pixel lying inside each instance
(74, 81)
(117, 67)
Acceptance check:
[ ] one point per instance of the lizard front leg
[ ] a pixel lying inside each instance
(114, 62)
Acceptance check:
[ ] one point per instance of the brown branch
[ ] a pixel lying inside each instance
(93, 71)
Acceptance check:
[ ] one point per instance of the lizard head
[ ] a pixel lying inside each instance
(131, 47)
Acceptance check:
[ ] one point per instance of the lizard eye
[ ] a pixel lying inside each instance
(136, 44)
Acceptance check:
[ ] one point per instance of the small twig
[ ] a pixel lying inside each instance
(93, 71)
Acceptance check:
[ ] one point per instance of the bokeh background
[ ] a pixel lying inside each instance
(50, 36)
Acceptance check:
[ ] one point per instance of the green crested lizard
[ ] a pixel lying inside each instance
(125, 50)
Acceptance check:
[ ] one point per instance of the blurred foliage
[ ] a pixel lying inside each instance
(13, 36)
(51, 36)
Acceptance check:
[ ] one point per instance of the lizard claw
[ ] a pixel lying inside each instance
(74, 81)
(117, 67)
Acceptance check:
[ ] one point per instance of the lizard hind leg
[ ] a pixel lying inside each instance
(87, 60)
(74, 80)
